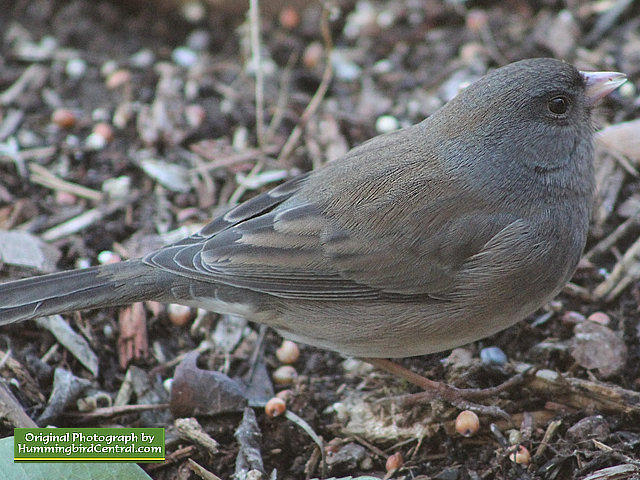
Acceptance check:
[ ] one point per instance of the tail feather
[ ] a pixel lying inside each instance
(96, 287)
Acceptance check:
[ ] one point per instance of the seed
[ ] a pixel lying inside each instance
(467, 423)
(288, 352)
(275, 407)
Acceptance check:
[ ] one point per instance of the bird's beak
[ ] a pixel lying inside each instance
(600, 84)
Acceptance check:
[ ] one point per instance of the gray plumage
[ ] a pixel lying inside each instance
(414, 242)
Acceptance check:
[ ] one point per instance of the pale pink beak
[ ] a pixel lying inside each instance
(601, 84)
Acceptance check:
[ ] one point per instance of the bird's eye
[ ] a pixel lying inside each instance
(558, 105)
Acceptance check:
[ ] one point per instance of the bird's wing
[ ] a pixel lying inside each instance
(359, 229)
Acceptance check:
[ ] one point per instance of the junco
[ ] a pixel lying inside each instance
(414, 242)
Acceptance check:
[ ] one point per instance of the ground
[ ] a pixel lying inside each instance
(126, 125)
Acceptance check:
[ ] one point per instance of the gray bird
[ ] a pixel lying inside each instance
(414, 242)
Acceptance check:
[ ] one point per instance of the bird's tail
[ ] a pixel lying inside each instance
(96, 287)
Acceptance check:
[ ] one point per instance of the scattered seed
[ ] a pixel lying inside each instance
(599, 317)
(284, 375)
(64, 118)
(275, 407)
(520, 455)
(289, 18)
(179, 315)
(288, 353)
(467, 423)
(394, 462)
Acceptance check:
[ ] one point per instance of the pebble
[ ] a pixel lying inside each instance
(63, 117)
(142, 58)
(65, 198)
(95, 142)
(118, 187)
(199, 40)
(107, 257)
(193, 11)
(105, 130)
(345, 69)
(184, 56)
(387, 123)
(118, 78)
(493, 356)
(195, 115)
(312, 55)
(76, 68)
(108, 67)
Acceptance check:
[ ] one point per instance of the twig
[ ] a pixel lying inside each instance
(80, 222)
(11, 122)
(42, 176)
(174, 457)
(201, 471)
(242, 187)
(282, 98)
(190, 429)
(11, 410)
(313, 105)
(34, 76)
(240, 157)
(551, 430)
(107, 412)
(254, 21)
(606, 21)
(579, 393)
(606, 243)
(625, 271)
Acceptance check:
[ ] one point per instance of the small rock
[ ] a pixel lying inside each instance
(76, 68)
(493, 356)
(117, 79)
(387, 123)
(459, 358)
(595, 346)
(184, 56)
(199, 40)
(142, 58)
(594, 427)
(346, 458)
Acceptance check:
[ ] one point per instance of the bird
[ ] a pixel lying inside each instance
(414, 242)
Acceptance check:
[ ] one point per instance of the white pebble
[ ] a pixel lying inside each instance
(76, 68)
(142, 58)
(345, 69)
(95, 141)
(108, 68)
(106, 257)
(184, 56)
(193, 11)
(118, 187)
(493, 356)
(199, 40)
(167, 384)
(387, 123)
